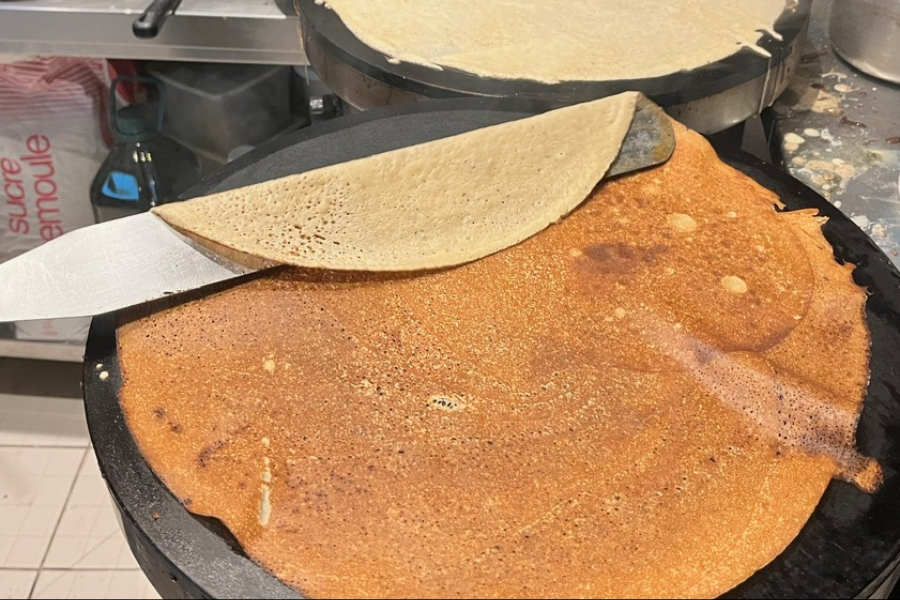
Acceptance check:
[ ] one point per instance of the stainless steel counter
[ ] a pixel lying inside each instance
(251, 31)
(839, 132)
(54, 351)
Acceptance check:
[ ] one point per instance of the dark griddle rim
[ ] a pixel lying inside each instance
(322, 27)
(853, 537)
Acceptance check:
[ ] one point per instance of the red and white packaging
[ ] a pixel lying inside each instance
(52, 142)
(51, 145)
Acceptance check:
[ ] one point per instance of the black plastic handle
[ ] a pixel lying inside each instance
(149, 23)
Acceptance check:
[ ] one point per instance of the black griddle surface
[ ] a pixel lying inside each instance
(842, 552)
(322, 26)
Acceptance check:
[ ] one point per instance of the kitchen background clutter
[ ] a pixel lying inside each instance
(115, 150)
(215, 108)
(144, 168)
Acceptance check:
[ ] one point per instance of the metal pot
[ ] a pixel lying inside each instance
(866, 33)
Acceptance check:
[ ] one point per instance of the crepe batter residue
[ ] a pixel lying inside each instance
(794, 414)
(265, 501)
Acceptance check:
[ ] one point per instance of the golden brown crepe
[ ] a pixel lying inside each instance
(641, 401)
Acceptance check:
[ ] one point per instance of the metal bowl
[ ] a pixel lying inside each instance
(866, 33)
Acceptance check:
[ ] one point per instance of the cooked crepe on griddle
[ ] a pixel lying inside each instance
(561, 40)
(647, 399)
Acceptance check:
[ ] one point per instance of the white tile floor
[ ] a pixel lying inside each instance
(59, 537)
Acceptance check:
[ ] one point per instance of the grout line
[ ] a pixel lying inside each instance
(88, 552)
(58, 521)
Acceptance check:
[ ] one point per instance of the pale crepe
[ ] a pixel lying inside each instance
(560, 40)
(438, 204)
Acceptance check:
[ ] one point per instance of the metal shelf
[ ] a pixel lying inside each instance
(246, 31)
(42, 350)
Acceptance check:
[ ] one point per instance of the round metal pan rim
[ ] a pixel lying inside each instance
(321, 25)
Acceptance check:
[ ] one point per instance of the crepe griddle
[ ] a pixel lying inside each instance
(708, 99)
(849, 547)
